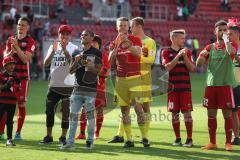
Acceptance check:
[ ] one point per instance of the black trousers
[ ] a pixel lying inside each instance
(51, 106)
(10, 110)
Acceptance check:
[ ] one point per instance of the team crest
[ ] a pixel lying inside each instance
(151, 53)
(24, 44)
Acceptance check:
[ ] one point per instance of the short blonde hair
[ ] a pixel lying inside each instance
(176, 32)
(120, 19)
(138, 21)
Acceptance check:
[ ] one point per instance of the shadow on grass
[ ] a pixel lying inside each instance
(116, 150)
(133, 127)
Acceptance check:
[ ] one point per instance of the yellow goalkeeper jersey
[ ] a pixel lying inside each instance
(146, 62)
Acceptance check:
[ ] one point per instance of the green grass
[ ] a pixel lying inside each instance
(161, 134)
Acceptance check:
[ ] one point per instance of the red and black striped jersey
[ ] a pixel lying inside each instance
(179, 78)
(8, 95)
(26, 44)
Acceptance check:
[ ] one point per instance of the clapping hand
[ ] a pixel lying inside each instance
(14, 44)
(54, 46)
(64, 44)
(121, 38)
(182, 52)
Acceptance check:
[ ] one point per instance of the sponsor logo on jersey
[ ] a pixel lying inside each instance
(24, 44)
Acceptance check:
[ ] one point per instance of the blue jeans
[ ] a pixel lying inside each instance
(76, 102)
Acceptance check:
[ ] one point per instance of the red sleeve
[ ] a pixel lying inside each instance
(208, 47)
(105, 65)
(30, 45)
(135, 40)
(105, 60)
(111, 46)
(8, 45)
(164, 57)
(189, 55)
(235, 46)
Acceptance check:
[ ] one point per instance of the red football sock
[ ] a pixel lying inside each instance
(2, 123)
(83, 122)
(21, 118)
(176, 127)
(189, 126)
(212, 127)
(228, 129)
(99, 121)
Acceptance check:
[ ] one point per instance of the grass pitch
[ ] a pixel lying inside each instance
(161, 134)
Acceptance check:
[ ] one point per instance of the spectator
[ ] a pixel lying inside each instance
(13, 12)
(17, 16)
(60, 6)
(189, 43)
(183, 2)
(225, 6)
(63, 21)
(46, 27)
(8, 22)
(149, 32)
(108, 8)
(192, 6)
(195, 48)
(179, 12)
(2, 7)
(30, 15)
(34, 64)
(185, 13)
(142, 8)
(158, 54)
(38, 30)
(96, 10)
(120, 4)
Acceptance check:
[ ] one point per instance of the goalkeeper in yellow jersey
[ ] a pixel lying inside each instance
(142, 105)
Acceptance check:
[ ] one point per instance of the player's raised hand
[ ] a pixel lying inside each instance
(117, 41)
(182, 52)
(204, 53)
(78, 58)
(13, 50)
(14, 43)
(64, 44)
(225, 37)
(54, 46)
(120, 38)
